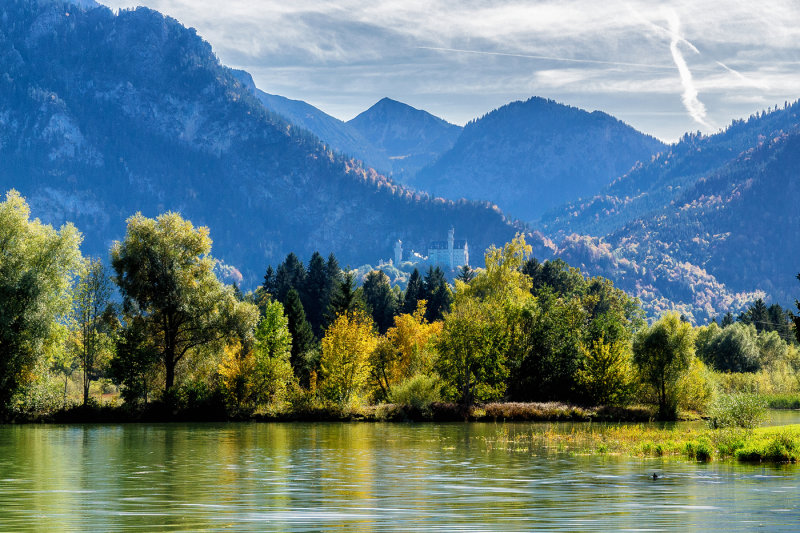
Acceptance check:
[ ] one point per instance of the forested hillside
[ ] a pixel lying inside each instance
(531, 156)
(410, 138)
(103, 115)
(714, 217)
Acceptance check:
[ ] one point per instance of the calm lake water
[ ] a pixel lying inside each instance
(363, 477)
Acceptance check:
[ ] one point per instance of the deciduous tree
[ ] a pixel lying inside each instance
(37, 266)
(165, 274)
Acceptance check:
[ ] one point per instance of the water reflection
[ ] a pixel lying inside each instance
(362, 477)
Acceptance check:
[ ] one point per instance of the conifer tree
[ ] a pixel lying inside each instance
(345, 298)
(300, 330)
(414, 293)
(270, 284)
(315, 295)
(380, 299)
(291, 275)
(465, 274)
(437, 293)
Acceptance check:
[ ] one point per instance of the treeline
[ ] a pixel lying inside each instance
(311, 338)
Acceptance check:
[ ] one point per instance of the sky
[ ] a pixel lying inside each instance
(663, 67)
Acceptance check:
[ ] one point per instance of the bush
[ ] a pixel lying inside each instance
(737, 410)
(417, 392)
(695, 388)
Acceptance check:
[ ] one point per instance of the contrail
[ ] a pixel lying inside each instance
(550, 58)
(756, 84)
(693, 105)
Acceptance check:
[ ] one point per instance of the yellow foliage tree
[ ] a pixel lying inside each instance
(235, 370)
(607, 373)
(345, 363)
(407, 350)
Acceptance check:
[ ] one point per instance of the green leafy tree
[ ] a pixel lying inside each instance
(37, 266)
(165, 274)
(662, 353)
(606, 374)
(94, 315)
(472, 352)
(796, 318)
(272, 370)
(551, 333)
(735, 349)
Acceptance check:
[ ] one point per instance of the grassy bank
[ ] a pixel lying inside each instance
(769, 444)
(436, 412)
(783, 401)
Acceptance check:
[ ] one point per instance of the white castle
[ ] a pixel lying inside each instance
(450, 253)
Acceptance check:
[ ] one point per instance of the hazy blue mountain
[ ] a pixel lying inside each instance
(528, 157)
(706, 223)
(410, 138)
(336, 133)
(103, 115)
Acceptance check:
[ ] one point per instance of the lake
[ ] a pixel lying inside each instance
(363, 477)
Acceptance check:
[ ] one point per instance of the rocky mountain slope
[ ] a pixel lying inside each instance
(103, 115)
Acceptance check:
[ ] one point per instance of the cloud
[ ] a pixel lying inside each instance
(462, 58)
(695, 108)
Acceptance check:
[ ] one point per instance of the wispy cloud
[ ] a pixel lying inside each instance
(461, 58)
(693, 105)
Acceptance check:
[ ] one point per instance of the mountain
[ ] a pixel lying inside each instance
(710, 223)
(335, 133)
(409, 137)
(103, 115)
(528, 157)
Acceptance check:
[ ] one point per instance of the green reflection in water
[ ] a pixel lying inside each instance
(362, 477)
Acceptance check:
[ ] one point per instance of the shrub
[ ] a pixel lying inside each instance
(737, 410)
(417, 392)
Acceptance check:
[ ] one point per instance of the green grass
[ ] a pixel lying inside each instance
(783, 401)
(771, 444)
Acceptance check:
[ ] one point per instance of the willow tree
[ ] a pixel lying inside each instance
(166, 276)
(663, 353)
(37, 265)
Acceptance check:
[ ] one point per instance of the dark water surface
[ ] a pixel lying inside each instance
(363, 477)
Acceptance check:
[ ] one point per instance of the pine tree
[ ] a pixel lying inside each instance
(465, 274)
(414, 292)
(345, 298)
(302, 335)
(380, 299)
(270, 284)
(291, 275)
(315, 296)
(437, 293)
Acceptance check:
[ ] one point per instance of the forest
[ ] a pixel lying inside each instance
(155, 331)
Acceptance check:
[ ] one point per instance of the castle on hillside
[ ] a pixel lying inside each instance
(451, 253)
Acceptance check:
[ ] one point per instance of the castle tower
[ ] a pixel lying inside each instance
(451, 237)
(398, 252)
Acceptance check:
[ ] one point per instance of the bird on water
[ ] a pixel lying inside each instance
(655, 476)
